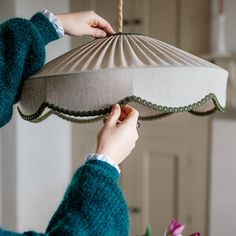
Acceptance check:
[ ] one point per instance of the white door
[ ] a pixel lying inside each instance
(165, 177)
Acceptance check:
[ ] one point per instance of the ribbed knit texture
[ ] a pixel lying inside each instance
(93, 205)
(99, 210)
(22, 53)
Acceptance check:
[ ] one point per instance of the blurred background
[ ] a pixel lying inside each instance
(183, 166)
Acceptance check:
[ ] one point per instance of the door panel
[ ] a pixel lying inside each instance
(162, 189)
(153, 182)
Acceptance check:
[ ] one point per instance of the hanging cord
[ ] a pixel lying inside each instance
(120, 15)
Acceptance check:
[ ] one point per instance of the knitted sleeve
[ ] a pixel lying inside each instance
(22, 53)
(93, 205)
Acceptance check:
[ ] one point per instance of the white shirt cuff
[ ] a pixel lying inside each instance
(100, 157)
(55, 22)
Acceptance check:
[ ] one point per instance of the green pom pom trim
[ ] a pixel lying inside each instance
(75, 116)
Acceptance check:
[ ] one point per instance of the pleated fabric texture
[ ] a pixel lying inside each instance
(156, 78)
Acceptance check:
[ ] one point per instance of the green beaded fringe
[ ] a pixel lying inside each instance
(100, 114)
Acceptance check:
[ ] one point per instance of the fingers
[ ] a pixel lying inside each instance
(98, 33)
(129, 114)
(103, 24)
(125, 110)
(113, 118)
(85, 23)
(118, 115)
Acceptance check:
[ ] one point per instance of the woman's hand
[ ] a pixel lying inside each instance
(119, 134)
(85, 23)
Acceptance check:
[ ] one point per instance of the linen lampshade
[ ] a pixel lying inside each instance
(156, 78)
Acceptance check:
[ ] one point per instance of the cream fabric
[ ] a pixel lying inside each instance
(105, 71)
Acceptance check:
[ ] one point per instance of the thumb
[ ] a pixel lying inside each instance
(114, 115)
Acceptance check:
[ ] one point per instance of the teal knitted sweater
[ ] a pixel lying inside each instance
(22, 53)
(93, 203)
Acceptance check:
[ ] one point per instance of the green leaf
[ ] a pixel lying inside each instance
(148, 231)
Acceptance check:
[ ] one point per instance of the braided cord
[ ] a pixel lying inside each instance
(120, 15)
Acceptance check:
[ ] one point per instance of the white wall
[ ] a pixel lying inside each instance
(230, 29)
(42, 151)
(223, 176)
(6, 11)
(9, 172)
(43, 170)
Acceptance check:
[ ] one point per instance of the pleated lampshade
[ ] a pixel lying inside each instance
(154, 77)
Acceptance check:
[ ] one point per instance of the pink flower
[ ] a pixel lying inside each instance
(196, 234)
(175, 228)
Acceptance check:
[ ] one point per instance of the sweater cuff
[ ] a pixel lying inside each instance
(101, 157)
(44, 27)
(103, 169)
